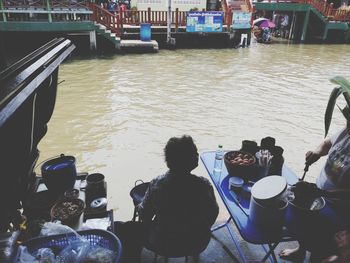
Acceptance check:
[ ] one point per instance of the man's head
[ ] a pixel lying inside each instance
(181, 154)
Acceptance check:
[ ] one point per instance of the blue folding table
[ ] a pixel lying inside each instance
(238, 208)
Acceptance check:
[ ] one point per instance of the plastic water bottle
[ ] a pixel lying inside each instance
(219, 154)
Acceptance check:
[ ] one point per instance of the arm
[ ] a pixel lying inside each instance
(321, 150)
(311, 190)
(343, 194)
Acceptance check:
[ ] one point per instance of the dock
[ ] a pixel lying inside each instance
(138, 45)
(309, 20)
(98, 25)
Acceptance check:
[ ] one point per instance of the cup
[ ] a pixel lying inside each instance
(236, 184)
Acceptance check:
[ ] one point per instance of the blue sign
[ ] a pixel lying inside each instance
(204, 21)
(241, 20)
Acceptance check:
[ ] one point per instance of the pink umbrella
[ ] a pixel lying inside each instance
(267, 23)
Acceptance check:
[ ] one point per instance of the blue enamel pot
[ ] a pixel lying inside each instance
(59, 174)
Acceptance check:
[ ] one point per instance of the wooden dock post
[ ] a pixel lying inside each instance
(292, 27)
(49, 11)
(93, 42)
(4, 18)
(149, 15)
(176, 19)
(306, 23)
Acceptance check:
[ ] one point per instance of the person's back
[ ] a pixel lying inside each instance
(185, 208)
(183, 204)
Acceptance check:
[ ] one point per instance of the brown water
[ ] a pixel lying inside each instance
(115, 114)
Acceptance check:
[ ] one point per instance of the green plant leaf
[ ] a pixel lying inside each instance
(330, 107)
(342, 82)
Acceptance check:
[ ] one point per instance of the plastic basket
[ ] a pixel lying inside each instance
(96, 237)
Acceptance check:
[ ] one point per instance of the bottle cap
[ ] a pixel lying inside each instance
(220, 146)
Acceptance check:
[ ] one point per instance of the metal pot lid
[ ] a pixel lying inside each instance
(269, 187)
(99, 203)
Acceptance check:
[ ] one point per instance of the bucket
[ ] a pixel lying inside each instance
(268, 203)
(145, 32)
(268, 217)
(59, 174)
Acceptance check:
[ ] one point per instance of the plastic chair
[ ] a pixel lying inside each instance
(137, 194)
(174, 251)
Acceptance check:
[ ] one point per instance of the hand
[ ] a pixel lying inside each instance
(307, 189)
(311, 157)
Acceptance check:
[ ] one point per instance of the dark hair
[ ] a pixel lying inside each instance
(181, 154)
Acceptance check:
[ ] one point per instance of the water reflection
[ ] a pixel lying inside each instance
(115, 114)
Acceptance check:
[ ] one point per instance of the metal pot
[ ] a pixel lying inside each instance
(59, 174)
(268, 203)
(95, 180)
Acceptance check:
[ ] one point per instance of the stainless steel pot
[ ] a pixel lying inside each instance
(268, 203)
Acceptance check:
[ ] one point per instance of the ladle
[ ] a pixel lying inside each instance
(305, 171)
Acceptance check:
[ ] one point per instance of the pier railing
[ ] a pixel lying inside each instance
(116, 21)
(341, 15)
(45, 10)
(104, 17)
(326, 9)
(26, 4)
(156, 18)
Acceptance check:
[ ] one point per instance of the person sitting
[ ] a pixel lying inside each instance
(177, 211)
(334, 184)
(179, 208)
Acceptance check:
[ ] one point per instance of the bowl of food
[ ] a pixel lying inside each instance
(68, 211)
(240, 164)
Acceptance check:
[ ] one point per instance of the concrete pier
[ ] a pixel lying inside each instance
(93, 42)
(138, 45)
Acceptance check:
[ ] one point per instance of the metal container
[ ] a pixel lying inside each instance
(268, 202)
(59, 174)
(95, 181)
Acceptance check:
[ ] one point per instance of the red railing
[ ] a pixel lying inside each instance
(323, 7)
(156, 18)
(106, 18)
(339, 15)
(115, 22)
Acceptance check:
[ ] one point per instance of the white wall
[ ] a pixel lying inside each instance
(162, 5)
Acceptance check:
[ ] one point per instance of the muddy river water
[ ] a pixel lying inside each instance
(116, 113)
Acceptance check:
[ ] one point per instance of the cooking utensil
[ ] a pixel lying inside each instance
(59, 174)
(305, 171)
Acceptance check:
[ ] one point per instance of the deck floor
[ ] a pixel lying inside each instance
(221, 249)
